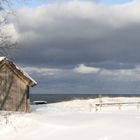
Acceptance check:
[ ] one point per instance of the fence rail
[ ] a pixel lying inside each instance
(118, 104)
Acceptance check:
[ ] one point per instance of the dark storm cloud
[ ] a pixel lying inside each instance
(79, 33)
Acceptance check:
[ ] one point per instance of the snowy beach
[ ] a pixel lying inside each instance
(74, 120)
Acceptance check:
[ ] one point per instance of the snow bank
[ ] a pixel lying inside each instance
(89, 105)
(72, 120)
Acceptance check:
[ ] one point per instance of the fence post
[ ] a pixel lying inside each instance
(100, 101)
(137, 105)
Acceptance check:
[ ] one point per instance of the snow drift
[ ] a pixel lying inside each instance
(73, 120)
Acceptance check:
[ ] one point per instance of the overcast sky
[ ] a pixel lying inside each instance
(77, 46)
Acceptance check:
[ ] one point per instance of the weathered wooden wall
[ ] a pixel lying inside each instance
(14, 91)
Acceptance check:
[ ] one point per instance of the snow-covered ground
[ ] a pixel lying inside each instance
(73, 120)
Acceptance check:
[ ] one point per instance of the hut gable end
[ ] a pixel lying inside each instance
(14, 87)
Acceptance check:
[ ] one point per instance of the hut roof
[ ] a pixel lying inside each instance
(32, 82)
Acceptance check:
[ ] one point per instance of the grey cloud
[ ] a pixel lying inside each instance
(85, 79)
(79, 32)
(55, 38)
(82, 69)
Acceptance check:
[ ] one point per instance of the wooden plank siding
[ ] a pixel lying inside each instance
(14, 89)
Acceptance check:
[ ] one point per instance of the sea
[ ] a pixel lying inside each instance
(54, 98)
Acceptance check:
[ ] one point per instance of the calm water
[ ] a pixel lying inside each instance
(53, 98)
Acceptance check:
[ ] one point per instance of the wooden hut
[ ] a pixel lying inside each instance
(14, 87)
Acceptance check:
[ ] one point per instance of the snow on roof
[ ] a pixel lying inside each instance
(27, 75)
(2, 58)
(23, 72)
